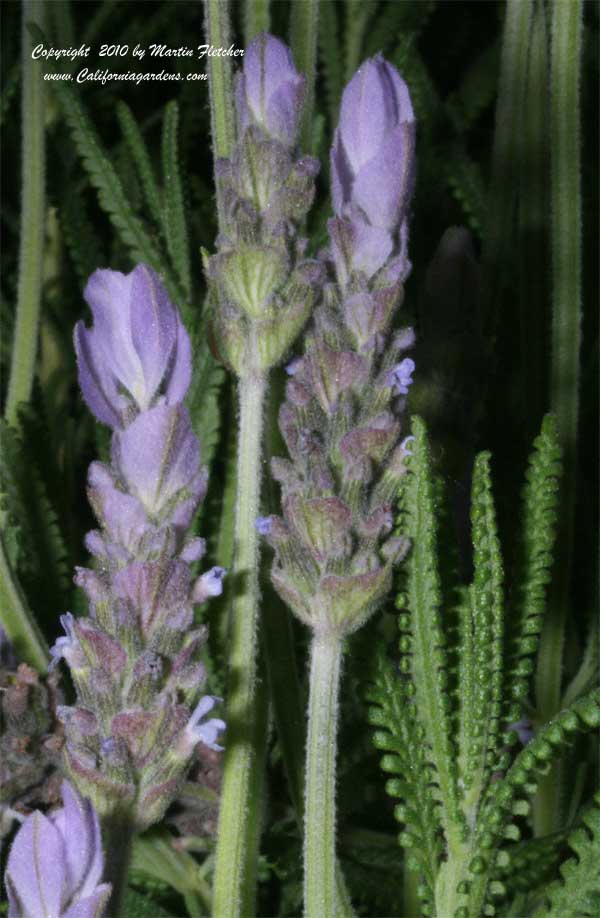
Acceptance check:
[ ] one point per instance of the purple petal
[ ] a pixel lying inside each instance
(180, 372)
(92, 906)
(97, 386)
(382, 185)
(157, 456)
(153, 326)
(35, 873)
(78, 824)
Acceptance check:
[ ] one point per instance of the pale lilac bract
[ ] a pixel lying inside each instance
(270, 91)
(55, 863)
(137, 350)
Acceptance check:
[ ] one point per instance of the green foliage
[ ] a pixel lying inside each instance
(401, 738)
(174, 209)
(423, 641)
(40, 551)
(480, 654)
(139, 153)
(577, 893)
(102, 175)
(508, 798)
(136, 905)
(540, 501)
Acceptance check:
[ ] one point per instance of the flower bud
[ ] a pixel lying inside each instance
(372, 159)
(270, 91)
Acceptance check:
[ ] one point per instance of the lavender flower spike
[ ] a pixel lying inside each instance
(137, 351)
(270, 91)
(135, 659)
(55, 864)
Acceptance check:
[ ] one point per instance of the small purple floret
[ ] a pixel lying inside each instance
(207, 732)
(263, 525)
(401, 376)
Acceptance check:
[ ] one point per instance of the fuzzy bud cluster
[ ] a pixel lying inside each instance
(262, 286)
(341, 419)
(30, 740)
(135, 659)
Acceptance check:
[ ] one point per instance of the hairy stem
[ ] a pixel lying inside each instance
(257, 18)
(238, 831)
(304, 28)
(117, 838)
(566, 341)
(222, 122)
(319, 820)
(17, 621)
(25, 343)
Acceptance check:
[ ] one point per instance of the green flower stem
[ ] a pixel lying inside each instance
(319, 820)
(17, 621)
(117, 839)
(304, 28)
(25, 343)
(565, 68)
(220, 84)
(257, 18)
(238, 818)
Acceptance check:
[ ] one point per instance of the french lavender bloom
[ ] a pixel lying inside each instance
(341, 421)
(372, 172)
(262, 285)
(135, 660)
(55, 863)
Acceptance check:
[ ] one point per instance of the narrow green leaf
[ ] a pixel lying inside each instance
(32, 220)
(508, 796)
(533, 569)
(577, 893)
(426, 659)
(481, 647)
(356, 18)
(533, 221)
(17, 620)
(404, 759)
(174, 211)
(330, 57)
(139, 153)
(304, 27)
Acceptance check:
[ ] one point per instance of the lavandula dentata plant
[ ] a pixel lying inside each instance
(135, 660)
(262, 289)
(341, 423)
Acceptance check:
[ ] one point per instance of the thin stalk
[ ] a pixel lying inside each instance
(25, 343)
(499, 235)
(319, 823)
(17, 621)
(565, 69)
(534, 201)
(238, 836)
(304, 28)
(117, 837)
(257, 18)
(220, 84)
